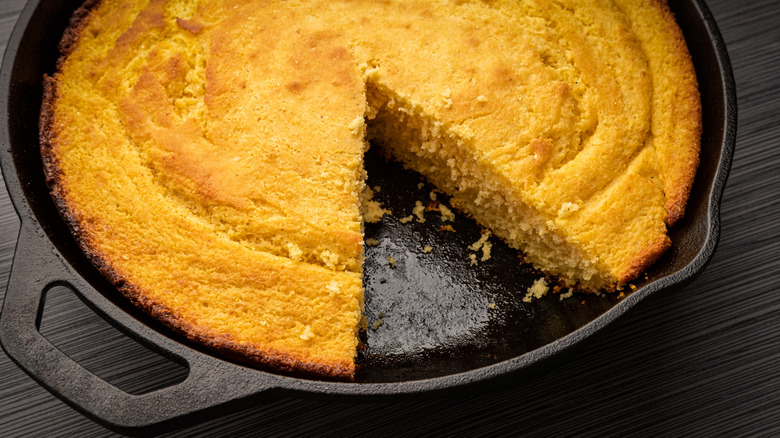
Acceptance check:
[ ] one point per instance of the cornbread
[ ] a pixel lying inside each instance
(208, 154)
(536, 291)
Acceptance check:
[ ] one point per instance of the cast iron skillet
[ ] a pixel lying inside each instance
(435, 321)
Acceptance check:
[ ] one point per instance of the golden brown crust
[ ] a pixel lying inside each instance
(264, 358)
(69, 40)
(644, 259)
(77, 22)
(688, 111)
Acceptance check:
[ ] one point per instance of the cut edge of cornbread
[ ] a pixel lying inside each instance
(424, 145)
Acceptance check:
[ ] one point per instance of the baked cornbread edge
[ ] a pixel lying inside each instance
(688, 107)
(267, 358)
(677, 200)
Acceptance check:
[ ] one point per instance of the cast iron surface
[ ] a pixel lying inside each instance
(38, 252)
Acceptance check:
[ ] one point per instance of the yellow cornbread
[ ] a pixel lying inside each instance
(208, 155)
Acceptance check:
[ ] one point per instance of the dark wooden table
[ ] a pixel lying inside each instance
(703, 360)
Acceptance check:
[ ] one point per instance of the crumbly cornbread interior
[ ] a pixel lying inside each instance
(208, 154)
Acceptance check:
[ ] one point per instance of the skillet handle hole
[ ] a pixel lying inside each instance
(103, 350)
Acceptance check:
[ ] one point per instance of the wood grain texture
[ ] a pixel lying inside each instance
(703, 360)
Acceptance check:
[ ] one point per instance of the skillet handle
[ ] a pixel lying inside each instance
(210, 385)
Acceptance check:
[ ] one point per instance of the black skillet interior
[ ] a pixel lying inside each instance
(433, 314)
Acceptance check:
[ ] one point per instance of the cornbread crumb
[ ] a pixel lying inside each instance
(369, 72)
(294, 251)
(567, 294)
(432, 195)
(482, 239)
(447, 228)
(420, 185)
(307, 333)
(446, 98)
(492, 306)
(486, 247)
(372, 242)
(473, 258)
(372, 210)
(568, 208)
(356, 126)
(376, 324)
(418, 211)
(536, 291)
(332, 287)
(406, 219)
(329, 259)
(483, 244)
(391, 260)
(446, 213)
(427, 249)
